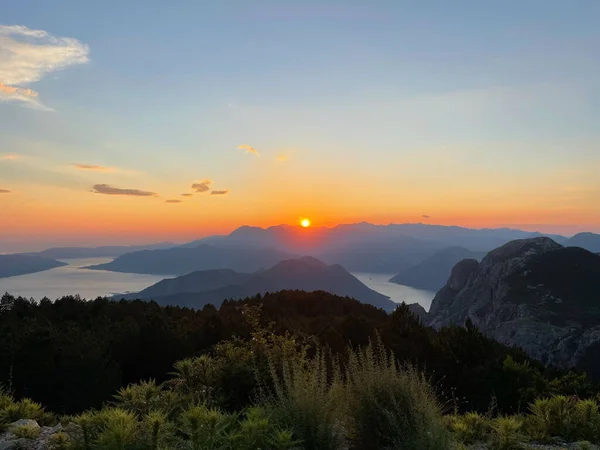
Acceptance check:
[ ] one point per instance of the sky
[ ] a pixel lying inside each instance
(145, 120)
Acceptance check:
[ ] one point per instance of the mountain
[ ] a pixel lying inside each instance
(96, 252)
(181, 260)
(433, 272)
(533, 293)
(307, 274)
(364, 247)
(360, 247)
(589, 241)
(200, 281)
(12, 265)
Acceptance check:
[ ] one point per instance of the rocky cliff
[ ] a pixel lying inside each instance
(533, 293)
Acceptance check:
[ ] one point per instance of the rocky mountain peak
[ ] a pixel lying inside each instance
(533, 293)
(519, 250)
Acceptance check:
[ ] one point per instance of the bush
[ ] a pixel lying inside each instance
(469, 428)
(26, 432)
(25, 409)
(207, 428)
(60, 441)
(553, 417)
(391, 407)
(117, 429)
(507, 433)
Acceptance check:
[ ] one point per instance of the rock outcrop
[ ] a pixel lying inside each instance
(533, 293)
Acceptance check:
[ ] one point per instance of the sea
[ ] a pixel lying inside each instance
(75, 279)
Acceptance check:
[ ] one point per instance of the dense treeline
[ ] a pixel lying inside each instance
(72, 354)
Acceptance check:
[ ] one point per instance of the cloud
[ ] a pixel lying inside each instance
(425, 216)
(223, 192)
(9, 157)
(27, 55)
(186, 195)
(4, 191)
(202, 186)
(173, 201)
(109, 190)
(282, 158)
(92, 167)
(248, 149)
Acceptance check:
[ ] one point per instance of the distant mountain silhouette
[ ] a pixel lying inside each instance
(12, 265)
(533, 293)
(434, 271)
(97, 252)
(181, 260)
(364, 247)
(360, 247)
(308, 274)
(589, 241)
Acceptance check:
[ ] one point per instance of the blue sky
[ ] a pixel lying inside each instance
(477, 113)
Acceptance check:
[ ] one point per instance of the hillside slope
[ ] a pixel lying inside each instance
(307, 274)
(13, 265)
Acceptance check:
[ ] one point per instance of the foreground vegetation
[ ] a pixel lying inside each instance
(71, 355)
(297, 400)
(344, 376)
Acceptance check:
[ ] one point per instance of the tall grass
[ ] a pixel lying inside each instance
(308, 398)
(391, 406)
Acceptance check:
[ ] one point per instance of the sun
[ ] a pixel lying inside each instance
(305, 223)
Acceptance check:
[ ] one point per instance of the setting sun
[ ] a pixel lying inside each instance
(305, 223)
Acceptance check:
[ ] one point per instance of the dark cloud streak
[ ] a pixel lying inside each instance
(110, 190)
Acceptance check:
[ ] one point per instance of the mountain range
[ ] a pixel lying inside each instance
(360, 247)
(532, 293)
(214, 286)
(183, 260)
(96, 252)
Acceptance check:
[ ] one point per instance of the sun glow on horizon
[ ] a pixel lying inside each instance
(305, 223)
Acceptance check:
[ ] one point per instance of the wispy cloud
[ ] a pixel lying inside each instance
(248, 149)
(282, 158)
(110, 190)
(425, 216)
(186, 195)
(4, 191)
(92, 167)
(27, 55)
(173, 201)
(223, 192)
(9, 157)
(202, 186)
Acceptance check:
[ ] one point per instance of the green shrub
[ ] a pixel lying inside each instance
(89, 425)
(25, 409)
(553, 416)
(139, 398)
(308, 398)
(283, 440)
(391, 407)
(207, 428)
(469, 428)
(254, 430)
(507, 433)
(60, 441)
(118, 429)
(26, 432)
(587, 420)
(156, 430)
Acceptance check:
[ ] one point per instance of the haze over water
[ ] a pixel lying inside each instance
(74, 279)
